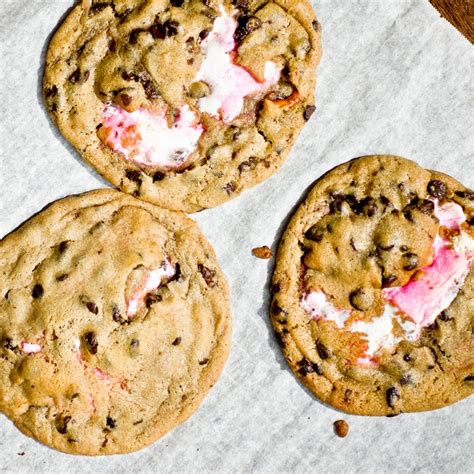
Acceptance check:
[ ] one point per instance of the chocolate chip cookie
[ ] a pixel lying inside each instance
(114, 323)
(373, 291)
(185, 103)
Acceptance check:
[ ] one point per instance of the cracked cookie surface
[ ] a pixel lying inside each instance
(184, 103)
(373, 291)
(114, 323)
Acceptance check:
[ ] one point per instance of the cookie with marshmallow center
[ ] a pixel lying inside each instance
(183, 103)
(373, 291)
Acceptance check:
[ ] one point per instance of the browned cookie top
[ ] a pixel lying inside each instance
(373, 289)
(184, 103)
(114, 323)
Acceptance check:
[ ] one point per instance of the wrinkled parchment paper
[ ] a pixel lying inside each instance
(395, 78)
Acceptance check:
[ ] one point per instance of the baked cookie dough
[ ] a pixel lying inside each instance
(114, 323)
(373, 292)
(184, 103)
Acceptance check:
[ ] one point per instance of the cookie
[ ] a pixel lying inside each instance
(114, 323)
(373, 291)
(184, 103)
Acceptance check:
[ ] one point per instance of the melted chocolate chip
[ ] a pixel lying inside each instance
(204, 362)
(98, 7)
(38, 291)
(229, 188)
(63, 246)
(436, 188)
(407, 358)
(387, 281)
(323, 351)
(75, 76)
(133, 38)
(86, 76)
(177, 341)
(392, 395)
(245, 26)
(315, 233)
(177, 3)
(208, 275)
(126, 100)
(129, 76)
(410, 261)
(242, 4)
(158, 176)
(425, 206)
(152, 299)
(134, 343)
(443, 316)
(51, 92)
(306, 367)
(149, 88)
(465, 195)
(157, 31)
(275, 288)
(469, 378)
(110, 422)
(8, 344)
(91, 341)
(134, 175)
(367, 206)
(204, 34)
(171, 28)
(92, 307)
(360, 299)
(61, 423)
(316, 25)
(177, 273)
(406, 379)
(309, 111)
(117, 316)
(62, 277)
(112, 45)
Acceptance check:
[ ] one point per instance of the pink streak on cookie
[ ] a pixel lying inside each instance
(145, 137)
(29, 348)
(229, 82)
(150, 282)
(422, 299)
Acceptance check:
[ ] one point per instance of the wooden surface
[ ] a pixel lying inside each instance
(460, 13)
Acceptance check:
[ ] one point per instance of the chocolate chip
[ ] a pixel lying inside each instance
(403, 248)
(316, 25)
(98, 7)
(410, 261)
(177, 273)
(158, 176)
(112, 45)
(387, 281)
(367, 206)
(242, 4)
(91, 341)
(117, 316)
(63, 246)
(75, 76)
(276, 310)
(204, 34)
(203, 362)
(110, 422)
(407, 358)
(208, 275)
(171, 28)
(177, 341)
(335, 204)
(309, 111)
(92, 307)
(150, 90)
(246, 25)
(392, 395)
(341, 428)
(8, 344)
(315, 233)
(61, 423)
(177, 3)
(51, 92)
(385, 201)
(62, 277)
(306, 367)
(425, 206)
(157, 31)
(275, 288)
(152, 299)
(37, 291)
(134, 175)
(134, 343)
(86, 76)
(323, 351)
(229, 188)
(133, 38)
(443, 316)
(406, 379)
(436, 188)
(126, 100)
(469, 378)
(465, 195)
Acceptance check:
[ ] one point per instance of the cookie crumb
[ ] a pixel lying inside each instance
(341, 428)
(262, 252)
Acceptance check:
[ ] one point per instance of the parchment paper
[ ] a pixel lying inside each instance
(395, 78)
